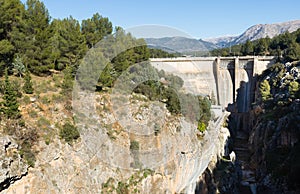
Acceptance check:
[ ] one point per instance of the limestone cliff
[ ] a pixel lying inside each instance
(12, 166)
(109, 158)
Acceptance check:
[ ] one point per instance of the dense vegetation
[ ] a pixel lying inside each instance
(34, 44)
(29, 36)
(158, 53)
(285, 46)
(279, 84)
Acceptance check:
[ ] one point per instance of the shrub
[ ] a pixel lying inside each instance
(25, 138)
(201, 126)
(134, 145)
(122, 188)
(26, 152)
(69, 132)
(26, 100)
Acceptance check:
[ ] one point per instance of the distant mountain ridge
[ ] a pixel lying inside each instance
(190, 45)
(221, 41)
(180, 44)
(256, 32)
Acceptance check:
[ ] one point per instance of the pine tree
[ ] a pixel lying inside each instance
(37, 48)
(95, 29)
(11, 15)
(10, 104)
(293, 52)
(6, 54)
(28, 89)
(247, 48)
(265, 89)
(262, 46)
(72, 46)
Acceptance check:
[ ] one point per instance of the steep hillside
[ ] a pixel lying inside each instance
(165, 154)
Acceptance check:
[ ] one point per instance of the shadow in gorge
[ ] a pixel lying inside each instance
(238, 120)
(239, 125)
(234, 176)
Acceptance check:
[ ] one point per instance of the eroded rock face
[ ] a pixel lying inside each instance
(168, 158)
(12, 166)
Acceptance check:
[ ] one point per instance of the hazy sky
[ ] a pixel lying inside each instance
(198, 18)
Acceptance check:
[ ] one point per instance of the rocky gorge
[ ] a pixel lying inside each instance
(167, 162)
(265, 139)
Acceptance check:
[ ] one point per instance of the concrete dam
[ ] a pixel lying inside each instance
(225, 78)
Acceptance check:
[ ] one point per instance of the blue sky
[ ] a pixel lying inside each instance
(198, 18)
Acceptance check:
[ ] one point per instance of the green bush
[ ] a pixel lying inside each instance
(134, 145)
(26, 152)
(69, 132)
(122, 188)
(26, 100)
(201, 127)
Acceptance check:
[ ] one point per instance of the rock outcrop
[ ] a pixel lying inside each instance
(12, 166)
(273, 127)
(274, 151)
(111, 158)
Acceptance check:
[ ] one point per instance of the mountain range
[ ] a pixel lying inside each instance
(189, 45)
(180, 44)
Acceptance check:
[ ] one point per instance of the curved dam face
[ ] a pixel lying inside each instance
(198, 74)
(226, 78)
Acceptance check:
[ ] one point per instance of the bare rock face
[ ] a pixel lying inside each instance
(163, 156)
(263, 30)
(12, 166)
(165, 163)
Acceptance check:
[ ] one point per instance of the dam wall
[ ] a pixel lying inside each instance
(226, 78)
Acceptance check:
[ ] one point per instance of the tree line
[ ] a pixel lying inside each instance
(32, 42)
(286, 47)
(28, 33)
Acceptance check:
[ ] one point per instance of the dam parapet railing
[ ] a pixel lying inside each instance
(178, 59)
